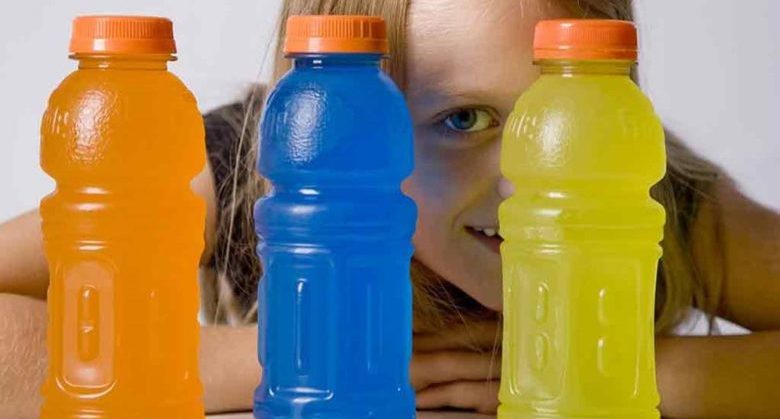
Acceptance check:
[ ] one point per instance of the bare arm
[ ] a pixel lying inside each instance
(228, 367)
(736, 245)
(24, 274)
(23, 268)
(719, 376)
(22, 355)
(228, 361)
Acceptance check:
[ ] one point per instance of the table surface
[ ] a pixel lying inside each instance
(420, 415)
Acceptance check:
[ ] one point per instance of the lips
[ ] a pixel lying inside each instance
(488, 236)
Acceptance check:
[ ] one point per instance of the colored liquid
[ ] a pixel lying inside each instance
(123, 235)
(335, 307)
(582, 147)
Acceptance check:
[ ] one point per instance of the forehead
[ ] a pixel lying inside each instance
(473, 44)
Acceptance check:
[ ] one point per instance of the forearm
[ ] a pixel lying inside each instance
(229, 367)
(228, 361)
(23, 267)
(719, 376)
(22, 355)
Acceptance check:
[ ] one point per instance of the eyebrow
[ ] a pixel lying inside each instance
(447, 87)
(447, 93)
(440, 98)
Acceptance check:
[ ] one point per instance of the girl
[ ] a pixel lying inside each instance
(462, 64)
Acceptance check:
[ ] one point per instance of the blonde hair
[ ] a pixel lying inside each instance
(436, 301)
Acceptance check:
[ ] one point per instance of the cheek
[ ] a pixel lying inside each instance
(433, 216)
(445, 183)
(440, 183)
(439, 194)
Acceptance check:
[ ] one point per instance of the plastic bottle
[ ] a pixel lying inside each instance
(335, 308)
(582, 147)
(122, 137)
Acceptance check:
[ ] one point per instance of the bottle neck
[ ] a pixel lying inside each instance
(580, 67)
(157, 62)
(301, 61)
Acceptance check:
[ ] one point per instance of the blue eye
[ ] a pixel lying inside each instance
(469, 120)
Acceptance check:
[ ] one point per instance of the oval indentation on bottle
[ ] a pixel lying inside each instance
(87, 345)
(541, 349)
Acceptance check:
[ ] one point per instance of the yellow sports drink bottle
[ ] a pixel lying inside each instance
(123, 231)
(582, 147)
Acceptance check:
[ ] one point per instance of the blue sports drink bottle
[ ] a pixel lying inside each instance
(335, 299)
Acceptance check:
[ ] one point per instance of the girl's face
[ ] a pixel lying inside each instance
(468, 61)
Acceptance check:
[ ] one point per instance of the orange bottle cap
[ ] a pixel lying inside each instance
(122, 35)
(336, 33)
(585, 39)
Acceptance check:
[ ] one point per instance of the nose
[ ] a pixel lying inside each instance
(505, 188)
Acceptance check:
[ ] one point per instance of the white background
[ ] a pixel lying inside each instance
(710, 66)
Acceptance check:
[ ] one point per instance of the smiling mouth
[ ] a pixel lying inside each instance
(488, 236)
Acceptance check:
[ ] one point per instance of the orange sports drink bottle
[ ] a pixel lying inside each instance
(582, 147)
(123, 231)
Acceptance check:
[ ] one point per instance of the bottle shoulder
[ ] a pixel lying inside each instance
(613, 105)
(122, 122)
(598, 93)
(335, 122)
(603, 129)
(369, 83)
(342, 97)
(152, 86)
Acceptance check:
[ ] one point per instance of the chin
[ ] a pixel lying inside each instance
(491, 302)
(470, 266)
(487, 293)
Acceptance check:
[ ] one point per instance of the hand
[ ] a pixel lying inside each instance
(458, 368)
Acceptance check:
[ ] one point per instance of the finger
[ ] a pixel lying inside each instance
(443, 367)
(480, 396)
(473, 335)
